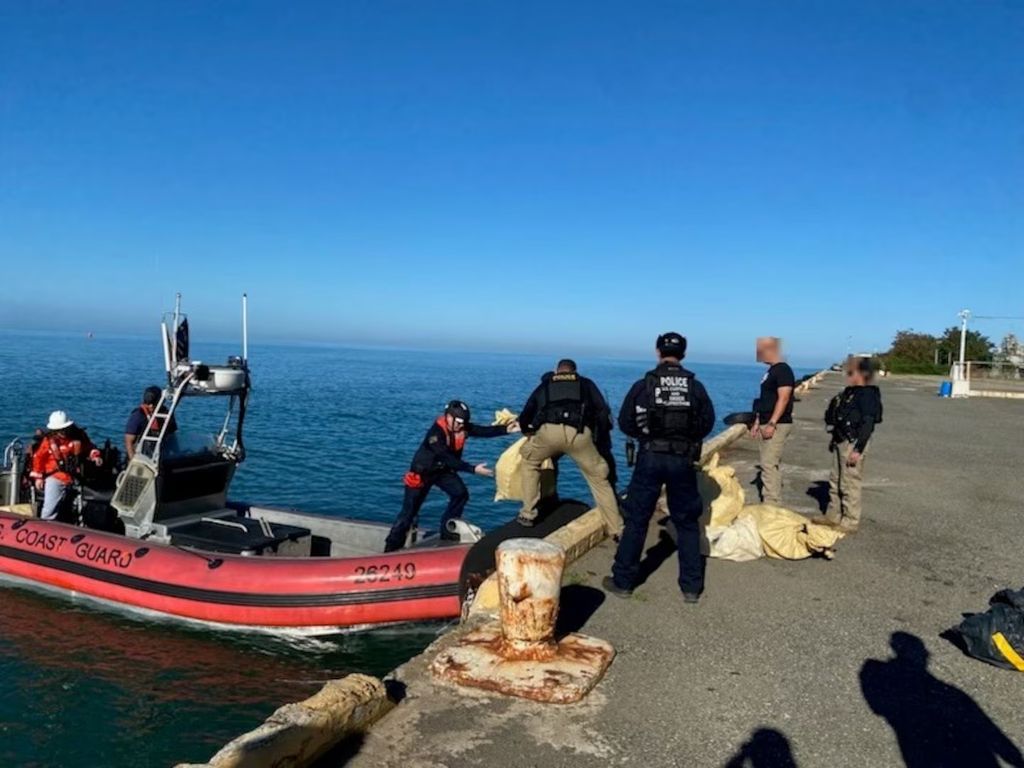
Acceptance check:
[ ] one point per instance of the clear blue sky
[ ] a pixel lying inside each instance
(515, 175)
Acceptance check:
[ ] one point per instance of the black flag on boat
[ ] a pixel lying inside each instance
(181, 341)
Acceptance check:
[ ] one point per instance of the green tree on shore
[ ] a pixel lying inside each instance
(915, 352)
(912, 347)
(976, 348)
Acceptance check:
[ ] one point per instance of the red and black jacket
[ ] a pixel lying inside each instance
(441, 450)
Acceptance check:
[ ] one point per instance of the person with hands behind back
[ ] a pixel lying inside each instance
(437, 462)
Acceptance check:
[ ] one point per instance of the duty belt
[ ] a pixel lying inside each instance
(661, 445)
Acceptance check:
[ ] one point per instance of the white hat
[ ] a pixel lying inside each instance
(58, 420)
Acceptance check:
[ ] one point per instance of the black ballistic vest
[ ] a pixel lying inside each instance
(670, 404)
(562, 400)
(845, 413)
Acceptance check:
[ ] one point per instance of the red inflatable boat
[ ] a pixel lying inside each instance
(262, 591)
(162, 536)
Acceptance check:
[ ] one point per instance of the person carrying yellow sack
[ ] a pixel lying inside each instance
(563, 416)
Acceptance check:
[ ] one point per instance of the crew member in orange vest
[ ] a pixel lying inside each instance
(438, 462)
(55, 462)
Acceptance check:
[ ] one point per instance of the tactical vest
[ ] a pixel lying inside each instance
(670, 404)
(562, 400)
(844, 414)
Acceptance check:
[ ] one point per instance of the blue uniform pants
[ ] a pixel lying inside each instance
(677, 474)
(458, 497)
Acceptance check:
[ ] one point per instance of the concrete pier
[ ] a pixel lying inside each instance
(783, 663)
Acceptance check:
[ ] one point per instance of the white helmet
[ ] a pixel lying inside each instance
(58, 420)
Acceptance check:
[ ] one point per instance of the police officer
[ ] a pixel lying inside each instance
(438, 461)
(565, 415)
(851, 417)
(669, 413)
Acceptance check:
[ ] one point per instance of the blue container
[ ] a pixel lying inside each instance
(946, 389)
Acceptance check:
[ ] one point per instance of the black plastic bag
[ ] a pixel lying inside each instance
(997, 636)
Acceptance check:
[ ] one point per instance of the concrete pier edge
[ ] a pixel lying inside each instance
(298, 734)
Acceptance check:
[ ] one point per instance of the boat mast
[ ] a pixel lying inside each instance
(245, 329)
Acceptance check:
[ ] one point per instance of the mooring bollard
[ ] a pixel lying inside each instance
(519, 654)
(529, 589)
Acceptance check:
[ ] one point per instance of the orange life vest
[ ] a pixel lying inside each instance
(52, 457)
(456, 440)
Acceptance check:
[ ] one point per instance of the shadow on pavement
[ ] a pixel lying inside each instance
(936, 724)
(342, 753)
(656, 555)
(819, 492)
(767, 748)
(577, 604)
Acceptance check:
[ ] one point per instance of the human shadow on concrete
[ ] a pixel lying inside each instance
(576, 605)
(766, 748)
(758, 486)
(819, 492)
(936, 724)
(656, 555)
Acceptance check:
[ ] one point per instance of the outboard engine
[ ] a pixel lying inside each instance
(467, 532)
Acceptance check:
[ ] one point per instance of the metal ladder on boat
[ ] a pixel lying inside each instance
(152, 439)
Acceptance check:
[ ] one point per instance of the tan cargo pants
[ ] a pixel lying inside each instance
(553, 440)
(771, 464)
(844, 486)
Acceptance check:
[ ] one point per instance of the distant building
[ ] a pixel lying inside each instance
(1011, 351)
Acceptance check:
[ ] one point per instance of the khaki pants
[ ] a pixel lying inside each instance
(771, 464)
(844, 485)
(552, 440)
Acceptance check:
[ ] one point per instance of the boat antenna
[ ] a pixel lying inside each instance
(165, 337)
(245, 328)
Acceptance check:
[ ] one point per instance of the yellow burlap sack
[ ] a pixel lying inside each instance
(508, 474)
(721, 493)
(504, 416)
(739, 541)
(789, 535)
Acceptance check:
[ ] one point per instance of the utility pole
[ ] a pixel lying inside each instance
(960, 383)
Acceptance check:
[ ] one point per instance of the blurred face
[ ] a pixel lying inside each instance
(854, 378)
(767, 350)
(455, 425)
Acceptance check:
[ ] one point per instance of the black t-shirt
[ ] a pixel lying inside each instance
(778, 375)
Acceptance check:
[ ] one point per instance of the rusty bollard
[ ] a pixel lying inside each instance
(519, 654)
(529, 588)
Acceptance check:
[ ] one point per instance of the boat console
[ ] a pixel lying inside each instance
(238, 535)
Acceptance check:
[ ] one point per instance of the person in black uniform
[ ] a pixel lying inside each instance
(669, 413)
(565, 415)
(851, 417)
(438, 462)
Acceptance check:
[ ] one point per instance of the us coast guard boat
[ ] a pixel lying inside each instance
(173, 544)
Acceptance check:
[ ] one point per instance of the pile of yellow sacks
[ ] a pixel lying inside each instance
(736, 531)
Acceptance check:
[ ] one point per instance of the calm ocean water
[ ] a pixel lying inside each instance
(329, 430)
